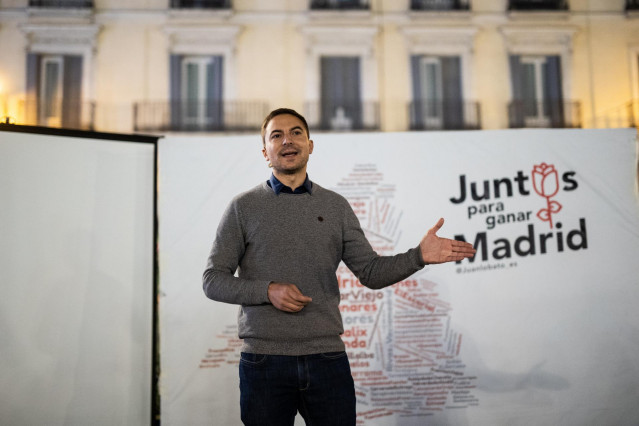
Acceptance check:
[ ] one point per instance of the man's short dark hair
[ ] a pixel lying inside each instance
(280, 111)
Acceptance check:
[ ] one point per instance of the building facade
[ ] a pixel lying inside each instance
(390, 65)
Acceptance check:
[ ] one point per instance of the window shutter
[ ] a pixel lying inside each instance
(175, 89)
(214, 95)
(553, 98)
(340, 81)
(33, 87)
(452, 91)
(417, 111)
(72, 92)
(516, 110)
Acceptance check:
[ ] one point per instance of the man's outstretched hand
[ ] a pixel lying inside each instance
(439, 250)
(287, 297)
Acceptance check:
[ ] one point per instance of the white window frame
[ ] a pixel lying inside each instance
(541, 119)
(433, 117)
(45, 105)
(201, 115)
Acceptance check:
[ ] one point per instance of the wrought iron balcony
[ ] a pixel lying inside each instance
(342, 116)
(621, 116)
(436, 5)
(62, 4)
(58, 113)
(539, 5)
(340, 4)
(200, 4)
(548, 114)
(188, 116)
(444, 115)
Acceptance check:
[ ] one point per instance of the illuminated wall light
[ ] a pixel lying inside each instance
(3, 100)
(7, 114)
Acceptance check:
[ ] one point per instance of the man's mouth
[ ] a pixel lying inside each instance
(288, 154)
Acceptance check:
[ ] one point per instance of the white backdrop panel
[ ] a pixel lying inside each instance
(541, 328)
(76, 273)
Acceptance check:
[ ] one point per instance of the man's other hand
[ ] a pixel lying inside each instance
(287, 297)
(439, 250)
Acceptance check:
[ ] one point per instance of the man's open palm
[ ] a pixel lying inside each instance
(439, 250)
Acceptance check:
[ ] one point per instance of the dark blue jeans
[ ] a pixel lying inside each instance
(273, 388)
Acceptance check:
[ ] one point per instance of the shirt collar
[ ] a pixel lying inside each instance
(278, 186)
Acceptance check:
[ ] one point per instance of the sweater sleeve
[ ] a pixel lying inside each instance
(219, 280)
(372, 270)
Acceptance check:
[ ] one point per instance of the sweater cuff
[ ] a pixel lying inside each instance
(263, 292)
(418, 257)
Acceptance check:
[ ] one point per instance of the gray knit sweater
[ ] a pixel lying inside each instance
(299, 239)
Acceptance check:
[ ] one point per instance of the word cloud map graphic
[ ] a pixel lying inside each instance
(404, 354)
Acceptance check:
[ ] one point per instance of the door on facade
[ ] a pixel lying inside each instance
(196, 92)
(54, 90)
(340, 103)
(437, 93)
(537, 92)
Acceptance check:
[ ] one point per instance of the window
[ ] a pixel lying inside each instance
(537, 5)
(425, 5)
(196, 92)
(68, 4)
(341, 79)
(341, 105)
(50, 101)
(200, 4)
(537, 91)
(54, 88)
(437, 93)
(339, 4)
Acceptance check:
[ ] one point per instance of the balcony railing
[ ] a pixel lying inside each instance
(187, 116)
(200, 4)
(632, 4)
(444, 115)
(426, 5)
(540, 5)
(62, 4)
(340, 4)
(621, 116)
(61, 114)
(342, 116)
(550, 114)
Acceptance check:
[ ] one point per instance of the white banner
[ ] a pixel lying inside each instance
(76, 274)
(540, 328)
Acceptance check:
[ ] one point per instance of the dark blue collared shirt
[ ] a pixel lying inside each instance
(278, 186)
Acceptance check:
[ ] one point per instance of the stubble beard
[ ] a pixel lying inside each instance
(292, 170)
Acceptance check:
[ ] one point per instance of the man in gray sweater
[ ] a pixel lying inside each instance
(286, 238)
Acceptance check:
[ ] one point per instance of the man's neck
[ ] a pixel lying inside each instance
(293, 181)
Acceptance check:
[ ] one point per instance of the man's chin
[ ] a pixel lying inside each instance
(288, 170)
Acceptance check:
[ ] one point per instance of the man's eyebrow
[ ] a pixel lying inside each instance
(281, 131)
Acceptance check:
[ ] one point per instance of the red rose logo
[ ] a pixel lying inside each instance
(546, 184)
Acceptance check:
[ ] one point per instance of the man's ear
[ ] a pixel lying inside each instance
(310, 150)
(266, 157)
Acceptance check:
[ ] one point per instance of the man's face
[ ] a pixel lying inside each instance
(287, 146)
